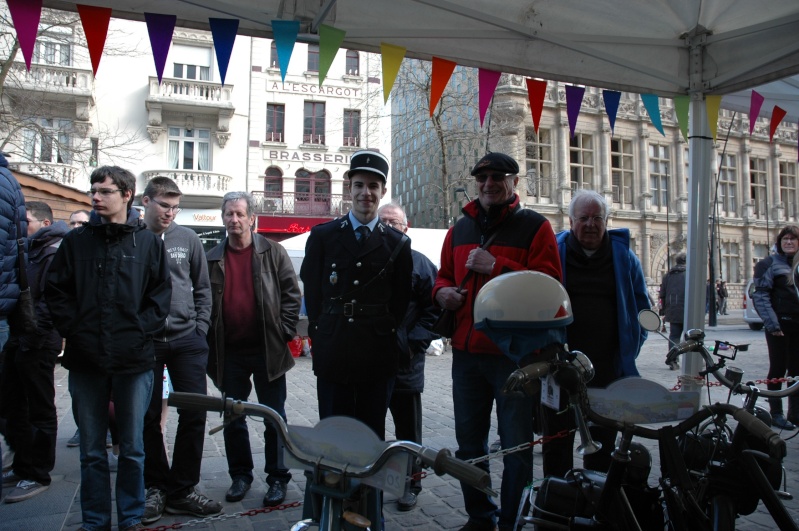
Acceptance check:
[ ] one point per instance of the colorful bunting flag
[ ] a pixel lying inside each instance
(487, 81)
(712, 104)
(611, 99)
(574, 101)
(392, 60)
(160, 27)
(224, 32)
(330, 40)
(442, 71)
(755, 103)
(653, 108)
(776, 117)
(25, 15)
(536, 93)
(95, 25)
(681, 105)
(285, 33)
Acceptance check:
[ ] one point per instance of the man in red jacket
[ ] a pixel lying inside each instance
(524, 241)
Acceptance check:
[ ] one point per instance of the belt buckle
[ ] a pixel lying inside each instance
(349, 309)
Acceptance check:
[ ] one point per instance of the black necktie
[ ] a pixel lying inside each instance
(364, 232)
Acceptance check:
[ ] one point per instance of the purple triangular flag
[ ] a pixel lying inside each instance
(160, 28)
(26, 14)
(611, 98)
(755, 102)
(224, 32)
(574, 101)
(285, 33)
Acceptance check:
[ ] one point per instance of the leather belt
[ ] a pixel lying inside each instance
(351, 309)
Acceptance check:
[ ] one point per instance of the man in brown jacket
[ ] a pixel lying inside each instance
(255, 292)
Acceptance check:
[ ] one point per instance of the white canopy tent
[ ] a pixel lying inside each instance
(666, 47)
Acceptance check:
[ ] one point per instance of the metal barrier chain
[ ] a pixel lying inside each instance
(699, 379)
(223, 517)
(519, 448)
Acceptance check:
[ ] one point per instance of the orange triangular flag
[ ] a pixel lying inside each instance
(442, 71)
(776, 117)
(95, 25)
(536, 92)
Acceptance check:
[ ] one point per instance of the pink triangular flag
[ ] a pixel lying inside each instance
(776, 117)
(536, 93)
(160, 28)
(755, 102)
(442, 71)
(95, 25)
(487, 81)
(26, 14)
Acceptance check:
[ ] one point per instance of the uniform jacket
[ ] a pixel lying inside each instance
(43, 246)
(631, 297)
(277, 304)
(415, 333)
(12, 212)
(338, 270)
(672, 294)
(191, 289)
(775, 299)
(526, 242)
(108, 290)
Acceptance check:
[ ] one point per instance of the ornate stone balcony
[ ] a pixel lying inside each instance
(201, 189)
(301, 204)
(57, 173)
(55, 83)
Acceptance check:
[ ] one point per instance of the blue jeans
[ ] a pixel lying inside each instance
(237, 385)
(477, 381)
(90, 396)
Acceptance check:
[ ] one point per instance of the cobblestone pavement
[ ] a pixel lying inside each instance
(440, 504)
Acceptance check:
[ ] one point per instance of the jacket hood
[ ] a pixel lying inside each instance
(134, 220)
(3, 161)
(46, 235)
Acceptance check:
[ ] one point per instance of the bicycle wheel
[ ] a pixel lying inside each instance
(722, 513)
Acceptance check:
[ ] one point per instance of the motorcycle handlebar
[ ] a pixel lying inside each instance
(442, 462)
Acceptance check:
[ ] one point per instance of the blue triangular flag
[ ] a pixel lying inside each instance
(652, 107)
(285, 32)
(224, 32)
(611, 98)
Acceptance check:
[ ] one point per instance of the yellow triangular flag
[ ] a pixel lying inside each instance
(712, 103)
(392, 59)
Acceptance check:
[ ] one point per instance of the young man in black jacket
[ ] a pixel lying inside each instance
(109, 292)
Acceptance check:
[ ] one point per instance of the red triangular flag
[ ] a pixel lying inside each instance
(536, 92)
(442, 71)
(95, 25)
(776, 117)
(26, 14)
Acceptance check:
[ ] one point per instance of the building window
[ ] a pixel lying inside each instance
(314, 123)
(274, 61)
(581, 162)
(353, 62)
(191, 62)
(52, 142)
(352, 128)
(273, 182)
(728, 184)
(52, 53)
(729, 262)
(312, 192)
(757, 188)
(788, 188)
(95, 152)
(622, 171)
(189, 149)
(313, 58)
(275, 115)
(759, 252)
(659, 174)
(538, 162)
(183, 71)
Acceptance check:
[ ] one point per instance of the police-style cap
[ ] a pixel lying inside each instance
(371, 161)
(498, 162)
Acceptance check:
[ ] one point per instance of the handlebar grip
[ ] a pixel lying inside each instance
(461, 470)
(682, 348)
(196, 401)
(758, 428)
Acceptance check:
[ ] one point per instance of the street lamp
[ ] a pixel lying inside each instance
(462, 190)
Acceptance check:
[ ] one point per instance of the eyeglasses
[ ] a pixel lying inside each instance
(395, 223)
(596, 220)
(496, 177)
(166, 207)
(105, 192)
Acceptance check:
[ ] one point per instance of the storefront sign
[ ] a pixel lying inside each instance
(298, 156)
(288, 224)
(307, 88)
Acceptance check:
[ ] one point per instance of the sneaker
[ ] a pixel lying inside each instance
(10, 479)
(25, 489)
(194, 503)
(779, 420)
(74, 440)
(113, 462)
(479, 525)
(153, 505)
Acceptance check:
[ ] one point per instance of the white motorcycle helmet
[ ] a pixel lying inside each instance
(522, 312)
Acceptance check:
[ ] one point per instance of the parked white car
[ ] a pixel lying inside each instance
(750, 314)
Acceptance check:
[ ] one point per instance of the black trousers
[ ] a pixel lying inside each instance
(365, 401)
(186, 359)
(32, 421)
(406, 408)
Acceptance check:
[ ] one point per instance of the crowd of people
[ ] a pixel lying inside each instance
(128, 296)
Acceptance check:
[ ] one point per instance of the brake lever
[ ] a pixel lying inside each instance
(228, 418)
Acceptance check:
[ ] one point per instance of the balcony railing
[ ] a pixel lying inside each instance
(274, 136)
(301, 204)
(193, 182)
(57, 173)
(351, 141)
(313, 139)
(190, 90)
(55, 78)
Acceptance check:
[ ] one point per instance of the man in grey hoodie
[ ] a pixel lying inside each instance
(182, 347)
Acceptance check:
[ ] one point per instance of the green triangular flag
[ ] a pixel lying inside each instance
(681, 108)
(330, 40)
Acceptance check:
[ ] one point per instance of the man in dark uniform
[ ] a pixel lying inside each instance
(357, 278)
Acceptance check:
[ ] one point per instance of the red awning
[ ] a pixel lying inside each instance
(287, 224)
